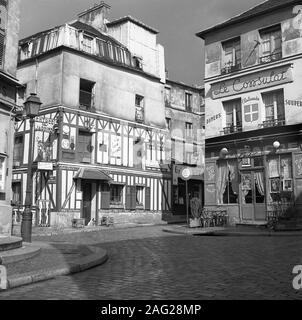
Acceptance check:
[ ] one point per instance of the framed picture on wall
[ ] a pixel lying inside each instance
(287, 185)
(274, 185)
(246, 162)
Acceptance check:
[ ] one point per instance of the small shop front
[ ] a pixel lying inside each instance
(195, 189)
(254, 180)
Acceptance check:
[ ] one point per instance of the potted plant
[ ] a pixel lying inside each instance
(196, 208)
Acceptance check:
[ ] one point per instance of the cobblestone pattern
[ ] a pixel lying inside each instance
(149, 264)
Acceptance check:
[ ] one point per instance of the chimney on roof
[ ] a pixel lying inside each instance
(96, 16)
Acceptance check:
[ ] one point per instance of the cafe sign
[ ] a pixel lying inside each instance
(252, 82)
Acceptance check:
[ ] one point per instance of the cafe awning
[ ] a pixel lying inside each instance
(92, 174)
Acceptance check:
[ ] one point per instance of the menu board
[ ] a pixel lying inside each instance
(210, 174)
(210, 194)
(298, 165)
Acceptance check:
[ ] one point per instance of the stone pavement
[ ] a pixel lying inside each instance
(147, 263)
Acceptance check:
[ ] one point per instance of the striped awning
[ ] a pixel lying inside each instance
(92, 174)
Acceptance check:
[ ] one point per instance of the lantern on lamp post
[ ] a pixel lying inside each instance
(32, 108)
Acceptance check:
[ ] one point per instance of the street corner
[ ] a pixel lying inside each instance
(55, 259)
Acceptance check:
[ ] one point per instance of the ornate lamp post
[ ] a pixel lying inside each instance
(32, 107)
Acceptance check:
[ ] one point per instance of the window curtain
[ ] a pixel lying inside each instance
(222, 179)
(233, 171)
(260, 182)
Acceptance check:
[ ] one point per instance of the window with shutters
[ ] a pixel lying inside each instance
(231, 57)
(18, 150)
(84, 146)
(116, 194)
(3, 22)
(17, 193)
(233, 116)
(139, 196)
(274, 108)
(271, 44)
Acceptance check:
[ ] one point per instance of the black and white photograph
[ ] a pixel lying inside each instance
(150, 152)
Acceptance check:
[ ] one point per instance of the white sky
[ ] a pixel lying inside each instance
(177, 21)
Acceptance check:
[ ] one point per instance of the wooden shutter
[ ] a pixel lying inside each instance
(130, 198)
(210, 182)
(84, 146)
(147, 198)
(105, 200)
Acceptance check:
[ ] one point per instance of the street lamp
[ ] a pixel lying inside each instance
(32, 107)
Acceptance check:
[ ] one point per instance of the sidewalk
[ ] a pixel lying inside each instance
(230, 231)
(54, 259)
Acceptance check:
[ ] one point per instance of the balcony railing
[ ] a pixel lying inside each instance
(273, 123)
(231, 129)
(229, 67)
(270, 58)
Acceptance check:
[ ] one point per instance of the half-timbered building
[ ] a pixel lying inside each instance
(99, 141)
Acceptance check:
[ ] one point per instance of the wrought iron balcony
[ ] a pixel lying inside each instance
(229, 68)
(231, 129)
(270, 58)
(273, 123)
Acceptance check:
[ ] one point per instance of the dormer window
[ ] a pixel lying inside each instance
(87, 44)
(231, 56)
(271, 44)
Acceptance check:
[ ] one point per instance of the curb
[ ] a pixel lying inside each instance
(253, 234)
(98, 258)
(213, 233)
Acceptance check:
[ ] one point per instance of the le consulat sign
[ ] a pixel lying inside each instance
(252, 82)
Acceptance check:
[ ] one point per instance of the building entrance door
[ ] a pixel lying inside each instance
(87, 196)
(253, 206)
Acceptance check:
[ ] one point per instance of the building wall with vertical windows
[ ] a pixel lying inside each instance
(253, 71)
(185, 122)
(9, 28)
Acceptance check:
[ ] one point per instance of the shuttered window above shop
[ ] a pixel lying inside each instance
(84, 146)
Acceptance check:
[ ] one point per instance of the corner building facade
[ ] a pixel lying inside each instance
(253, 99)
(99, 139)
(9, 33)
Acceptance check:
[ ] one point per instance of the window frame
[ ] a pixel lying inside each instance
(119, 194)
(234, 63)
(266, 56)
(3, 169)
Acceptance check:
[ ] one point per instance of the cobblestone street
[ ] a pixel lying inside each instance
(146, 263)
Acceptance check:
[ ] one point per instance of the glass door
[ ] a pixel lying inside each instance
(253, 195)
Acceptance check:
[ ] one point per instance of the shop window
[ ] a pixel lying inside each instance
(274, 108)
(86, 97)
(271, 44)
(18, 151)
(233, 116)
(280, 179)
(227, 182)
(84, 146)
(231, 57)
(139, 108)
(188, 102)
(139, 196)
(2, 173)
(116, 194)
